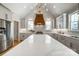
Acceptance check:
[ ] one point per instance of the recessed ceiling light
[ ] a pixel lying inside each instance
(45, 4)
(31, 7)
(24, 6)
(46, 9)
(54, 6)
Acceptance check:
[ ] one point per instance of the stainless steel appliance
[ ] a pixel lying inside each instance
(5, 40)
(7, 32)
(2, 35)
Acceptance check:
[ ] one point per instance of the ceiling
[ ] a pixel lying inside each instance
(58, 8)
(55, 9)
(20, 9)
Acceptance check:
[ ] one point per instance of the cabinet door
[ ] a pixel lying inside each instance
(72, 43)
(75, 44)
(68, 42)
(59, 38)
(23, 36)
(2, 46)
(64, 40)
(2, 23)
(55, 36)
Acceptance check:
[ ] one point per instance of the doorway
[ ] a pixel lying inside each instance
(16, 33)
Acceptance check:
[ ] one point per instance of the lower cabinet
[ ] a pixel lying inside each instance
(63, 39)
(2, 43)
(75, 45)
(55, 36)
(24, 35)
(60, 39)
(1, 46)
(9, 43)
(70, 42)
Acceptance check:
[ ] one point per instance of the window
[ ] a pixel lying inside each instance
(48, 25)
(74, 22)
(61, 21)
(30, 24)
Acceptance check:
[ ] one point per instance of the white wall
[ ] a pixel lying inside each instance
(32, 15)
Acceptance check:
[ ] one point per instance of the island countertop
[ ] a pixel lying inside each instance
(40, 45)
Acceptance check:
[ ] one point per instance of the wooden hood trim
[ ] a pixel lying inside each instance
(39, 20)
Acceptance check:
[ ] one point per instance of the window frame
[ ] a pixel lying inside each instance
(30, 26)
(47, 25)
(70, 15)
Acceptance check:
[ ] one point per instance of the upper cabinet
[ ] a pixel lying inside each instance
(5, 13)
(61, 21)
(74, 21)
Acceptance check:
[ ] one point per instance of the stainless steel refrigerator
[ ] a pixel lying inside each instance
(5, 30)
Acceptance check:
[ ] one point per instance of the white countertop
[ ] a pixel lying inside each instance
(67, 35)
(40, 45)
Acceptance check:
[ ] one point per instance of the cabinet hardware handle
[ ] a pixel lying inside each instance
(71, 45)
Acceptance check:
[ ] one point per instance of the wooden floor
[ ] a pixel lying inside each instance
(15, 44)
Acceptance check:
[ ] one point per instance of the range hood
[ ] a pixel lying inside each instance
(39, 20)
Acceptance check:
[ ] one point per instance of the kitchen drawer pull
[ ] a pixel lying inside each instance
(71, 45)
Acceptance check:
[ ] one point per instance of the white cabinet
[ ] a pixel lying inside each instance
(55, 36)
(61, 39)
(23, 36)
(72, 43)
(5, 13)
(75, 45)
(61, 21)
(68, 42)
(2, 42)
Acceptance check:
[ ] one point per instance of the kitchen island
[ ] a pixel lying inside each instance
(40, 45)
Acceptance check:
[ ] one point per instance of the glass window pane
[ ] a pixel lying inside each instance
(30, 25)
(48, 25)
(74, 22)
